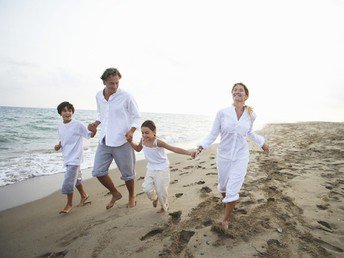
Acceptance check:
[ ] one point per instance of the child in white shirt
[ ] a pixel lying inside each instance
(70, 134)
(157, 178)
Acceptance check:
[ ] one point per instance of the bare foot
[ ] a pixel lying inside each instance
(115, 197)
(66, 209)
(132, 203)
(161, 210)
(224, 224)
(83, 200)
(155, 203)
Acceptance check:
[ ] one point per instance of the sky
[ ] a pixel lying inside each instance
(180, 56)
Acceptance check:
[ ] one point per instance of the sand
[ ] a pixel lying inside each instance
(291, 205)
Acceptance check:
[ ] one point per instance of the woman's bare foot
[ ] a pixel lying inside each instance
(155, 203)
(224, 224)
(115, 198)
(132, 203)
(83, 200)
(161, 210)
(66, 209)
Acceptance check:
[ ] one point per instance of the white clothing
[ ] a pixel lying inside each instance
(233, 144)
(117, 116)
(70, 136)
(156, 185)
(156, 157)
(233, 151)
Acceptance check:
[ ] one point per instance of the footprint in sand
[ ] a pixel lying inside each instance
(325, 224)
(53, 254)
(175, 216)
(174, 169)
(178, 195)
(174, 182)
(211, 174)
(322, 206)
(188, 167)
(205, 189)
(152, 233)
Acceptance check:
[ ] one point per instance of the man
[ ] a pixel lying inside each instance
(119, 117)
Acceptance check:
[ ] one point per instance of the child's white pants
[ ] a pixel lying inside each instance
(156, 184)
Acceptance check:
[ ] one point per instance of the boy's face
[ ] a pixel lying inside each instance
(66, 115)
(111, 83)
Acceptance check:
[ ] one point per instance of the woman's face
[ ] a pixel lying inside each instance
(239, 94)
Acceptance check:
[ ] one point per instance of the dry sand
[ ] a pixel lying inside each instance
(291, 205)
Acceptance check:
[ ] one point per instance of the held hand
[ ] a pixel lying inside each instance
(199, 150)
(92, 127)
(57, 147)
(129, 136)
(93, 133)
(193, 154)
(265, 148)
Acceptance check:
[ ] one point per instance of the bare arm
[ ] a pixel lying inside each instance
(136, 147)
(176, 149)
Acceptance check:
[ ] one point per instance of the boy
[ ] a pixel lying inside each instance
(70, 134)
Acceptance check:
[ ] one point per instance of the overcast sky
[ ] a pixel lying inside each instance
(180, 56)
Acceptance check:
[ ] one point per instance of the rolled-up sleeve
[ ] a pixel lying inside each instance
(134, 113)
(215, 131)
(260, 140)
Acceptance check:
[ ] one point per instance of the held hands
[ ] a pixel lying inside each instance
(57, 146)
(265, 148)
(193, 154)
(129, 136)
(93, 128)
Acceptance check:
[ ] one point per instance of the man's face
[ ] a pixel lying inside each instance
(111, 83)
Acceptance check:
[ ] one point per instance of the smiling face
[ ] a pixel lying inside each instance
(66, 115)
(239, 93)
(147, 134)
(111, 83)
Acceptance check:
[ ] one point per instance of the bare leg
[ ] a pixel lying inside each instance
(131, 189)
(83, 195)
(228, 211)
(69, 204)
(107, 182)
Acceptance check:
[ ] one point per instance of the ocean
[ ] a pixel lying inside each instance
(28, 137)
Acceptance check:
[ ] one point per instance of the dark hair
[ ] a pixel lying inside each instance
(63, 105)
(110, 72)
(150, 124)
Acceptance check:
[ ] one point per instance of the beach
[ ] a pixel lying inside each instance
(291, 205)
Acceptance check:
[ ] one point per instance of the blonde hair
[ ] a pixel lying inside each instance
(249, 108)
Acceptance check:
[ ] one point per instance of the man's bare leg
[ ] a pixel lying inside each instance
(107, 182)
(131, 189)
(228, 211)
(69, 204)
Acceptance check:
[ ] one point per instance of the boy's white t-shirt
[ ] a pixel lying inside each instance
(70, 135)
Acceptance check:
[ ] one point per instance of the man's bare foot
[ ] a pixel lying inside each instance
(83, 201)
(66, 209)
(155, 203)
(224, 224)
(132, 203)
(115, 198)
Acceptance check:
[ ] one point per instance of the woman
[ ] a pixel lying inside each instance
(233, 124)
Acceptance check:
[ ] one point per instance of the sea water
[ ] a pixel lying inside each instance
(28, 137)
